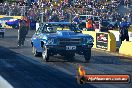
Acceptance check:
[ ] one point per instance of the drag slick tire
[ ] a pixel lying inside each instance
(87, 55)
(45, 54)
(35, 53)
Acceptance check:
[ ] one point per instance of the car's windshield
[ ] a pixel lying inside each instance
(52, 28)
(48, 29)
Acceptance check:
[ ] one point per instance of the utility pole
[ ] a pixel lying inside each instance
(42, 15)
(41, 10)
(24, 10)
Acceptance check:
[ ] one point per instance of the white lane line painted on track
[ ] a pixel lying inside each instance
(4, 83)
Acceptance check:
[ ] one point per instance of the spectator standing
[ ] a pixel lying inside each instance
(90, 24)
(22, 32)
(76, 19)
(123, 30)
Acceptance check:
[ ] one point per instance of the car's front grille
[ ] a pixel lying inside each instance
(70, 41)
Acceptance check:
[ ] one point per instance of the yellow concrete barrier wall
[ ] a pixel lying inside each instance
(15, 17)
(111, 40)
(1, 16)
(126, 48)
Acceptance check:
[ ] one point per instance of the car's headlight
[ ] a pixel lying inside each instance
(50, 41)
(90, 40)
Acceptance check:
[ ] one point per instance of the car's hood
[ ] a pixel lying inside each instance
(66, 34)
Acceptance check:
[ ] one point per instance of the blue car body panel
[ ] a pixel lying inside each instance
(63, 34)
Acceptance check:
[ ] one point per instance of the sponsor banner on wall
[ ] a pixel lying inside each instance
(102, 40)
(4, 19)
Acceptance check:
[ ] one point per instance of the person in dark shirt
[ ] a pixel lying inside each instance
(90, 24)
(22, 32)
(77, 21)
(123, 30)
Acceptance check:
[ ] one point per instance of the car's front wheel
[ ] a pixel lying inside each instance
(87, 55)
(45, 54)
(35, 53)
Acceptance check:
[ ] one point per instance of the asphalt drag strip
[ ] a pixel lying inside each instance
(22, 73)
(37, 72)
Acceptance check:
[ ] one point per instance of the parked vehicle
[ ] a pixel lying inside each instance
(49, 41)
(2, 31)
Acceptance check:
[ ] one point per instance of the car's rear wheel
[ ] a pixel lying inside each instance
(35, 53)
(87, 55)
(45, 54)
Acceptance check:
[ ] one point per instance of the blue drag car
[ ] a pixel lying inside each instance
(49, 41)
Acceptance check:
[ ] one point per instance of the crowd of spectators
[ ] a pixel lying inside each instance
(108, 10)
(12, 9)
(104, 8)
(65, 11)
